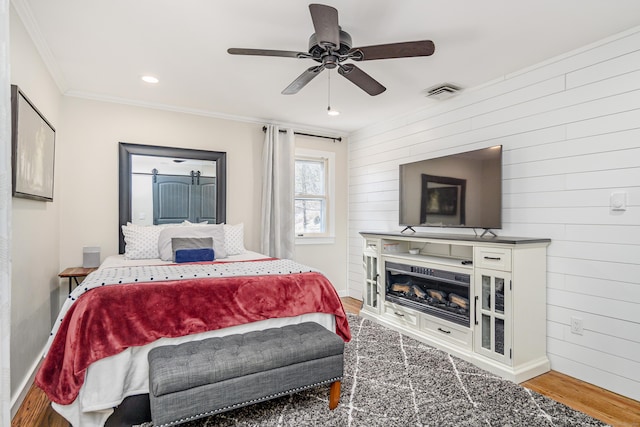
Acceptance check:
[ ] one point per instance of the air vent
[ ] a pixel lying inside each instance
(442, 91)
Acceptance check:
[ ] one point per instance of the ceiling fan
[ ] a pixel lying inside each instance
(331, 46)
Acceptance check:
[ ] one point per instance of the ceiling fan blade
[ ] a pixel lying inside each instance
(393, 50)
(267, 52)
(361, 79)
(325, 22)
(302, 80)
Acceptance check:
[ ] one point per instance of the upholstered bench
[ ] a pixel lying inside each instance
(202, 378)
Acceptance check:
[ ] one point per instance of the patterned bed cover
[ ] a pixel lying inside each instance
(106, 381)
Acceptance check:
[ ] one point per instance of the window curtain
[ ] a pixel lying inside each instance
(278, 162)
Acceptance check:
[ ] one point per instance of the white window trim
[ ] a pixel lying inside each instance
(330, 236)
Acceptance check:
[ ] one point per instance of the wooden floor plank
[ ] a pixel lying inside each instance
(602, 404)
(36, 411)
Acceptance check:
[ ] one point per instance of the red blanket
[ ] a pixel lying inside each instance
(109, 319)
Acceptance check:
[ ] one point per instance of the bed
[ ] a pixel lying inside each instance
(97, 353)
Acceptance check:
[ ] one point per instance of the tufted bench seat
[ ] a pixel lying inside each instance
(202, 378)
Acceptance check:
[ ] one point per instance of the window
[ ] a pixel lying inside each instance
(314, 187)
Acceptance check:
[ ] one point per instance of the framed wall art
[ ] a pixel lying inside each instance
(32, 149)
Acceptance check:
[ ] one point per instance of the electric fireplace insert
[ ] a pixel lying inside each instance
(440, 293)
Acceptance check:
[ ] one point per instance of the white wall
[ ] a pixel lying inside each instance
(89, 163)
(570, 128)
(35, 225)
(5, 218)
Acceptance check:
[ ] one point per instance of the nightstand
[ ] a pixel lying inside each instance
(74, 272)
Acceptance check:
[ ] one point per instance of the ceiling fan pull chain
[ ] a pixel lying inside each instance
(329, 110)
(329, 90)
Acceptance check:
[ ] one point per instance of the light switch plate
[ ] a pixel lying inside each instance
(618, 201)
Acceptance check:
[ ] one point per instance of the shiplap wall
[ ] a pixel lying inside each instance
(570, 130)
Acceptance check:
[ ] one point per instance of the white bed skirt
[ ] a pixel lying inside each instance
(109, 380)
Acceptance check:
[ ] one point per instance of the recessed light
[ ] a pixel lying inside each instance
(150, 79)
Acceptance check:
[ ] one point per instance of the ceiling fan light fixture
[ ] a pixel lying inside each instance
(329, 45)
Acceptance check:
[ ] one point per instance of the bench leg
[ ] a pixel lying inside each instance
(334, 395)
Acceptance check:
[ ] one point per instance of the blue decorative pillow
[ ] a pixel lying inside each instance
(189, 243)
(194, 255)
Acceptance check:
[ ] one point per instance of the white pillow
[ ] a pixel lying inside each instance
(216, 231)
(234, 239)
(141, 241)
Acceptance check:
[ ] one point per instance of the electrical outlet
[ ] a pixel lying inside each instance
(576, 325)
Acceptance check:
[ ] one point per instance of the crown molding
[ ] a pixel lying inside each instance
(205, 113)
(26, 16)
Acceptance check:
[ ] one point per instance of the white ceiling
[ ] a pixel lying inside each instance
(100, 49)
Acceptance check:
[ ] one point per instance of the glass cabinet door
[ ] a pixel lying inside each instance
(371, 294)
(493, 306)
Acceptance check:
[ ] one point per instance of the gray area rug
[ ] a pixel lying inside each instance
(393, 380)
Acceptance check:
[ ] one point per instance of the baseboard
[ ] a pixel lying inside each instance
(25, 386)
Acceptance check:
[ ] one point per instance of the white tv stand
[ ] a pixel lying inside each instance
(506, 331)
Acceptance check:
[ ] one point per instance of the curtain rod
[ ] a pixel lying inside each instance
(339, 139)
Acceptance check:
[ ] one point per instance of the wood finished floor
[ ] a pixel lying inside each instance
(608, 407)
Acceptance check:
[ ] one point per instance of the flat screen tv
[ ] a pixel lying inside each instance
(462, 190)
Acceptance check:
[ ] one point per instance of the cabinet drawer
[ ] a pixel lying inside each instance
(371, 247)
(495, 258)
(445, 331)
(400, 314)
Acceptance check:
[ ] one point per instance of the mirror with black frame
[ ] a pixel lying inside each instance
(160, 185)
